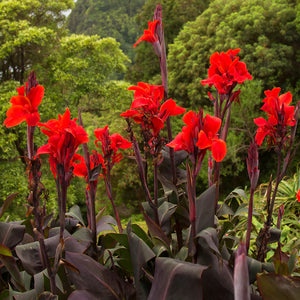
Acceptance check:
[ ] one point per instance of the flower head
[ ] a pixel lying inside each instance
(25, 104)
(200, 133)
(298, 196)
(226, 71)
(65, 136)
(96, 160)
(280, 116)
(147, 109)
(149, 34)
(110, 144)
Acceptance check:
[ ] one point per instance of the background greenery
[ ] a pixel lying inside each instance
(87, 61)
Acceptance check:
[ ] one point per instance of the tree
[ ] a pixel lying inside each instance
(266, 31)
(76, 71)
(107, 19)
(30, 29)
(175, 14)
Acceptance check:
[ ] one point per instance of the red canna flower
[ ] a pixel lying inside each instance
(280, 116)
(200, 132)
(185, 140)
(149, 34)
(208, 138)
(278, 107)
(147, 110)
(298, 195)
(25, 104)
(110, 144)
(96, 160)
(65, 136)
(226, 71)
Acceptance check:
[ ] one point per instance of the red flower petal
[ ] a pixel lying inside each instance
(211, 125)
(219, 149)
(203, 141)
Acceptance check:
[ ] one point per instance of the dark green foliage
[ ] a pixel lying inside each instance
(107, 19)
(174, 14)
(266, 31)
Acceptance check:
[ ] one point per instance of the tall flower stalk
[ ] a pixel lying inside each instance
(25, 108)
(198, 136)
(65, 136)
(110, 145)
(225, 73)
(155, 35)
(280, 128)
(148, 110)
(253, 172)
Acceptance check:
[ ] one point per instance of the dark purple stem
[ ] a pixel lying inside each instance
(139, 162)
(249, 221)
(109, 194)
(92, 190)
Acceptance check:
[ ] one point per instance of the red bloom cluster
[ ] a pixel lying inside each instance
(96, 160)
(25, 106)
(149, 34)
(110, 144)
(147, 110)
(65, 135)
(200, 132)
(298, 196)
(226, 71)
(280, 115)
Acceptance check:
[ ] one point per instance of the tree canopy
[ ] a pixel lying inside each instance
(266, 31)
(29, 32)
(107, 19)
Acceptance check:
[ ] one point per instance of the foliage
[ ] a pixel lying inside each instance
(175, 15)
(114, 19)
(265, 30)
(29, 30)
(193, 245)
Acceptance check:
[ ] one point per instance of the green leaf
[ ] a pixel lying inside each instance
(278, 287)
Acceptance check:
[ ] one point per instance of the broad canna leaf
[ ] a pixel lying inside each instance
(75, 213)
(83, 294)
(278, 287)
(95, 278)
(165, 212)
(11, 234)
(105, 224)
(217, 280)
(205, 209)
(140, 254)
(9, 262)
(174, 279)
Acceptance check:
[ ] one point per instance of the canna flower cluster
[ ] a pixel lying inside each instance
(226, 71)
(147, 110)
(280, 117)
(149, 34)
(96, 160)
(110, 144)
(24, 106)
(65, 136)
(200, 133)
